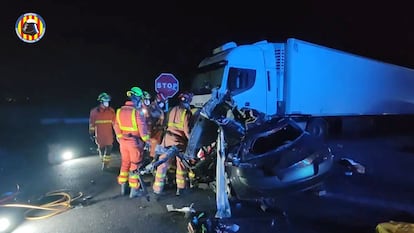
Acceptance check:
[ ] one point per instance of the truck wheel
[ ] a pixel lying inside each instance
(317, 127)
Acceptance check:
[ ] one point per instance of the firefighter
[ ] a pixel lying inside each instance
(177, 134)
(101, 120)
(156, 122)
(146, 108)
(132, 135)
(161, 102)
(146, 105)
(146, 99)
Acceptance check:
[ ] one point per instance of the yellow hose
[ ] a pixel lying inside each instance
(52, 208)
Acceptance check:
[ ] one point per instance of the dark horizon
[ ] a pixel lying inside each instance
(92, 48)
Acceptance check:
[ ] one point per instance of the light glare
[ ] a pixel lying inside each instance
(4, 224)
(67, 155)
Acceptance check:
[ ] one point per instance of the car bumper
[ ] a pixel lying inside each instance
(252, 182)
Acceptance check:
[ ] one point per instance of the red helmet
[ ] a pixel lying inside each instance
(185, 97)
(160, 97)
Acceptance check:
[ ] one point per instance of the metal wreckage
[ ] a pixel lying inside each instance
(242, 155)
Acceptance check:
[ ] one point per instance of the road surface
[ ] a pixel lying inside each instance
(354, 203)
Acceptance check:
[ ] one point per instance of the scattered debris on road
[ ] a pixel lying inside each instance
(200, 222)
(87, 198)
(187, 210)
(352, 166)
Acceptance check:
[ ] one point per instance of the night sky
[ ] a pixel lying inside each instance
(95, 46)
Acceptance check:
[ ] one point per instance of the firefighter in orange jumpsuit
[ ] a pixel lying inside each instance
(146, 104)
(158, 123)
(155, 117)
(132, 135)
(146, 108)
(177, 134)
(101, 119)
(161, 102)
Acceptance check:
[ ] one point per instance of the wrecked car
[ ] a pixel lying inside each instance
(265, 158)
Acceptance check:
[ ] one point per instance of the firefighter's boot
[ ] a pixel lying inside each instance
(179, 192)
(191, 178)
(123, 189)
(135, 192)
(106, 159)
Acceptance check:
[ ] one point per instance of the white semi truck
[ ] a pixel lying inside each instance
(314, 84)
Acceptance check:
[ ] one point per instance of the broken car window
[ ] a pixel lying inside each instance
(274, 139)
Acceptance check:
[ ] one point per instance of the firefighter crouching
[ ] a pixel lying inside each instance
(101, 119)
(132, 135)
(177, 134)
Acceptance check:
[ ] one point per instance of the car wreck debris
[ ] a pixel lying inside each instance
(263, 157)
(352, 166)
(187, 210)
(246, 156)
(222, 200)
(200, 222)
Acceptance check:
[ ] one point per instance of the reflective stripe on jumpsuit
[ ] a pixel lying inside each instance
(131, 132)
(100, 125)
(178, 132)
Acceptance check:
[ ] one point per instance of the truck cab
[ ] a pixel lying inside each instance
(247, 71)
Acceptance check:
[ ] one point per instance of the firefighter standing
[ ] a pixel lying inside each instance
(161, 102)
(146, 99)
(146, 104)
(177, 134)
(132, 135)
(155, 120)
(101, 119)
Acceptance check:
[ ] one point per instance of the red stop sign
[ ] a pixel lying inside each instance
(166, 84)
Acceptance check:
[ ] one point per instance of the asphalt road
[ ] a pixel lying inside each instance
(354, 203)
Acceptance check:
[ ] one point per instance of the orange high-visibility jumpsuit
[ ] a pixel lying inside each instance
(132, 134)
(101, 121)
(178, 132)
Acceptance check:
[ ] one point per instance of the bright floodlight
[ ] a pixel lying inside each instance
(4, 224)
(67, 155)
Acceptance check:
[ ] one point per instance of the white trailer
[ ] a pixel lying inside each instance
(312, 83)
